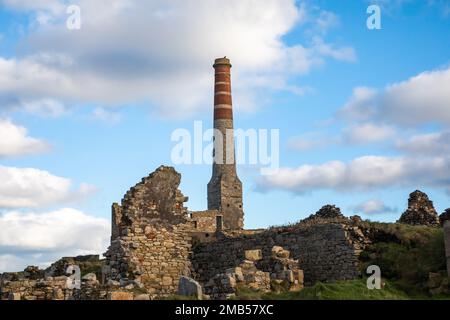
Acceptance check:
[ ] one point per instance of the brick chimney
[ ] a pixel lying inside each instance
(225, 188)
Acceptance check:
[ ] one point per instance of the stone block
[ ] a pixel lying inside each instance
(276, 249)
(120, 295)
(189, 287)
(90, 277)
(14, 296)
(167, 281)
(58, 294)
(253, 255)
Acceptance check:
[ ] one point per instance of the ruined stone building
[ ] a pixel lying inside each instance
(156, 241)
(159, 248)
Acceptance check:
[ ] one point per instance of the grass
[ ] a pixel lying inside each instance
(402, 233)
(344, 290)
(341, 290)
(412, 254)
(178, 297)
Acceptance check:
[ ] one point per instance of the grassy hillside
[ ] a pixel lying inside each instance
(411, 256)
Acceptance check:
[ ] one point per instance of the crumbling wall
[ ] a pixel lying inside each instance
(50, 288)
(151, 235)
(36, 284)
(444, 216)
(325, 252)
(420, 211)
(447, 244)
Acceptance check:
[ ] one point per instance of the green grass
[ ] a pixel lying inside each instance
(341, 290)
(412, 253)
(403, 233)
(177, 297)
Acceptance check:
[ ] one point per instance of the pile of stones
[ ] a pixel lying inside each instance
(328, 213)
(258, 273)
(420, 211)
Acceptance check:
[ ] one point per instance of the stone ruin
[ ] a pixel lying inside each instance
(151, 241)
(444, 216)
(260, 273)
(420, 211)
(326, 213)
(447, 244)
(159, 249)
(53, 283)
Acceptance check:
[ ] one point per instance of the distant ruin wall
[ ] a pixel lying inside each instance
(447, 244)
(325, 252)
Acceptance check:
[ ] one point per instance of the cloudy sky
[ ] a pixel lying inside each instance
(364, 115)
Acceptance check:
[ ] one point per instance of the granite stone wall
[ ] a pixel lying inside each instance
(325, 252)
(151, 240)
(447, 244)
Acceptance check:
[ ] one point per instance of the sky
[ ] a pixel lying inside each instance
(363, 114)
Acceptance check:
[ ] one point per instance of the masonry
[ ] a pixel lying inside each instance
(150, 240)
(447, 244)
(325, 252)
(224, 188)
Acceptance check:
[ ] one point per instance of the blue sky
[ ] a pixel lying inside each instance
(363, 114)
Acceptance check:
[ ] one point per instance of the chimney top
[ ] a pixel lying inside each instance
(222, 62)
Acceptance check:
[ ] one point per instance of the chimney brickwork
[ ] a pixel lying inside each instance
(225, 188)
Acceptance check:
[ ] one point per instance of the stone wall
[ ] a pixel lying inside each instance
(325, 252)
(151, 235)
(444, 216)
(447, 244)
(206, 221)
(16, 286)
(34, 284)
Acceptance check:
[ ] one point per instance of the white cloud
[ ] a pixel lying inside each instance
(361, 105)
(15, 141)
(312, 140)
(27, 5)
(327, 20)
(355, 134)
(362, 174)
(106, 115)
(161, 52)
(373, 207)
(368, 133)
(437, 143)
(45, 108)
(29, 188)
(326, 50)
(41, 238)
(422, 99)
(10, 262)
